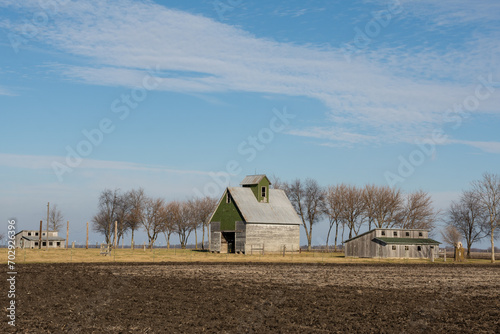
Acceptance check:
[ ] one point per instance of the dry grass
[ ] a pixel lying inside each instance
(80, 255)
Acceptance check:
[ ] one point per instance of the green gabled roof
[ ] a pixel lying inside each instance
(408, 241)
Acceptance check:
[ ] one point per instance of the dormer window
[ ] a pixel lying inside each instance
(420, 234)
(263, 192)
(383, 232)
(395, 233)
(228, 198)
(29, 234)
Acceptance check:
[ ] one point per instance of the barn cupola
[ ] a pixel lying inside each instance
(259, 185)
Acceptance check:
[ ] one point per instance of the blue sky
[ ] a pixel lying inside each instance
(165, 94)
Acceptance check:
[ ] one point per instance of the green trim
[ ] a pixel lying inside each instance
(408, 241)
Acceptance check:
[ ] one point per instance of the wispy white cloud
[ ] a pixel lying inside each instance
(396, 93)
(6, 92)
(453, 12)
(296, 12)
(333, 134)
(486, 146)
(45, 162)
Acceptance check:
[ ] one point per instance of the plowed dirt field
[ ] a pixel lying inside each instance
(255, 298)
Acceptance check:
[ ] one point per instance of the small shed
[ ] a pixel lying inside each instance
(392, 243)
(31, 239)
(254, 216)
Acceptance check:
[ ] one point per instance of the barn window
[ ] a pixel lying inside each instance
(29, 234)
(263, 192)
(407, 248)
(420, 234)
(395, 233)
(36, 243)
(50, 243)
(419, 248)
(407, 234)
(393, 247)
(383, 232)
(36, 233)
(228, 197)
(58, 243)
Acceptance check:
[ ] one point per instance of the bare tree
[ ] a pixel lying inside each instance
(202, 210)
(55, 218)
(353, 209)
(388, 202)
(195, 220)
(106, 214)
(172, 212)
(184, 224)
(136, 199)
(468, 218)
(123, 215)
(369, 198)
(451, 235)
(417, 211)
(308, 200)
(153, 218)
(277, 183)
(334, 209)
(487, 191)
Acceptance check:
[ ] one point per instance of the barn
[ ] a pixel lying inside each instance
(254, 217)
(31, 239)
(392, 243)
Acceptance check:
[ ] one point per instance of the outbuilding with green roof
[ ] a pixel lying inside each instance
(392, 243)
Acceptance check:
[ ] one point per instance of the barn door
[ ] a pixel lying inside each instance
(215, 241)
(227, 242)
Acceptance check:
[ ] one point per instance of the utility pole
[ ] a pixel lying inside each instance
(87, 242)
(67, 233)
(116, 229)
(40, 235)
(47, 233)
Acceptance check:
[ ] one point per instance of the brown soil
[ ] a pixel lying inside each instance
(255, 298)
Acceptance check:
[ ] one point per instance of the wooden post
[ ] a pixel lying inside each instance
(67, 233)
(47, 233)
(87, 241)
(40, 235)
(432, 254)
(445, 254)
(116, 229)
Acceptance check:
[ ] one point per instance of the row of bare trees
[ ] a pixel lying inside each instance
(476, 214)
(134, 209)
(351, 207)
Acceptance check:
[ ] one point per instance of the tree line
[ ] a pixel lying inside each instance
(476, 214)
(352, 207)
(133, 209)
